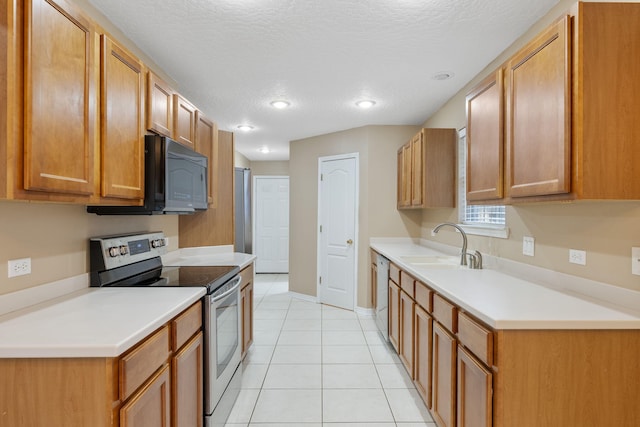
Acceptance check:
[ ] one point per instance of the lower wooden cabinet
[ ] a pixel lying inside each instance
(150, 406)
(394, 315)
(187, 384)
(444, 377)
(407, 308)
(474, 394)
(423, 351)
(246, 303)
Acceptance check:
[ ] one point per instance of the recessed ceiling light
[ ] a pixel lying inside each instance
(245, 128)
(280, 104)
(365, 103)
(443, 75)
(264, 150)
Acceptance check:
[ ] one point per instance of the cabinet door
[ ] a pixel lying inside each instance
(417, 170)
(207, 145)
(394, 315)
(159, 106)
(247, 317)
(406, 331)
(539, 115)
(122, 122)
(485, 146)
(60, 99)
(150, 406)
(423, 324)
(404, 176)
(184, 121)
(444, 377)
(186, 384)
(474, 392)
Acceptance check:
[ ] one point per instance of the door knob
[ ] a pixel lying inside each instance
(349, 242)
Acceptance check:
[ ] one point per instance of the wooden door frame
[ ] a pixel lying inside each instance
(356, 237)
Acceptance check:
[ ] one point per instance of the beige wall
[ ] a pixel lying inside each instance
(55, 237)
(377, 146)
(240, 161)
(606, 230)
(275, 168)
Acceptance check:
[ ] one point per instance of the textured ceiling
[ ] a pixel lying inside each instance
(231, 58)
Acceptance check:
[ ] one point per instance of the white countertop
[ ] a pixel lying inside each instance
(94, 322)
(504, 301)
(68, 319)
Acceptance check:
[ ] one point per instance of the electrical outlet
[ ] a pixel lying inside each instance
(635, 261)
(528, 246)
(19, 267)
(577, 257)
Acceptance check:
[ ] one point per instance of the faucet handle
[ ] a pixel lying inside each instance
(475, 260)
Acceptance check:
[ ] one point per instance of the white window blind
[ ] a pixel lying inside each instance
(475, 215)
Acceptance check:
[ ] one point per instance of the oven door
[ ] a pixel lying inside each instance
(224, 343)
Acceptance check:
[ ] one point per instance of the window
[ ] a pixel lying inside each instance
(477, 219)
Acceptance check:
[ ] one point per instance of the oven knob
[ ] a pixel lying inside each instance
(123, 250)
(114, 251)
(157, 243)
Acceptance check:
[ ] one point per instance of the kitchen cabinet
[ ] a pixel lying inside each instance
(215, 225)
(206, 143)
(539, 114)
(485, 146)
(394, 315)
(138, 388)
(122, 123)
(406, 315)
(570, 98)
(423, 323)
(49, 103)
(443, 406)
(426, 170)
(246, 296)
(184, 121)
(159, 106)
(474, 392)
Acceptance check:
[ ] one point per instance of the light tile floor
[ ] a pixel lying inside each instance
(313, 365)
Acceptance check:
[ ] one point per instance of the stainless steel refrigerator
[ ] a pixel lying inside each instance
(242, 188)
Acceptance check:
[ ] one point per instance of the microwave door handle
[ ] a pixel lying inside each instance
(216, 298)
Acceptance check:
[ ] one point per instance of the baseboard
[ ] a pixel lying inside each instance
(361, 311)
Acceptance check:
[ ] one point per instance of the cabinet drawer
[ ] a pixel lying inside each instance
(139, 364)
(423, 296)
(445, 313)
(407, 283)
(394, 273)
(247, 275)
(475, 337)
(186, 325)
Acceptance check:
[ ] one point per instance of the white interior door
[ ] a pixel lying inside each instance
(338, 210)
(272, 224)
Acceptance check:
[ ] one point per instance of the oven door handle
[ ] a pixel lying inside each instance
(237, 280)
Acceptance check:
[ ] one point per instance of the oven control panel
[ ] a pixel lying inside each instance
(117, 251)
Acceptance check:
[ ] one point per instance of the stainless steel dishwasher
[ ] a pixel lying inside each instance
(382, 295)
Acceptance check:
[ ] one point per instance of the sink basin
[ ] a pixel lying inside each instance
(439, 262)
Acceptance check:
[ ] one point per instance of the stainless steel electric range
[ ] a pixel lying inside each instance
(135, 260)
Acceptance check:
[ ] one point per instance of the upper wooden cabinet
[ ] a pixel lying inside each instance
(539, 114)
(206, 143)
(184, 121)
(426, 170)
(159, 106)
(60, 98)
(122, 122)
(570, 128)
(485, 147)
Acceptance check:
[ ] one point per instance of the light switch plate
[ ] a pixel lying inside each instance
(577, 257)
(635, 261)
(528, 246)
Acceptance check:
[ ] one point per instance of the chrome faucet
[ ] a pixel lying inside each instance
(463, 257)
(476, 258)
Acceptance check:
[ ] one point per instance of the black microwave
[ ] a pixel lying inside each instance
(175, 181)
